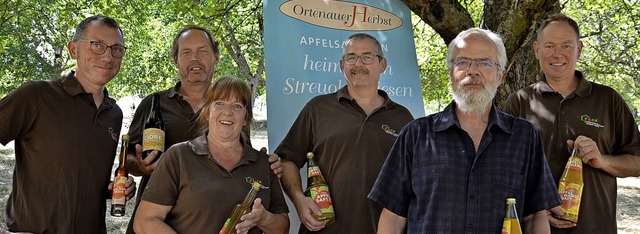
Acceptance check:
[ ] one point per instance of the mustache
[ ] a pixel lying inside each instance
(360, 69)
(472, 80)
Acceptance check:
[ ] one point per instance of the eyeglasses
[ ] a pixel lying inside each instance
(462, 63)
(99, 48)
(366, 59)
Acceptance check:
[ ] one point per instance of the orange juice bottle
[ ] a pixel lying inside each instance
(511, 223)
(318, 190)
(570, 188)
(118, 195)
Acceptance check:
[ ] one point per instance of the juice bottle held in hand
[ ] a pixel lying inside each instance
(570, 188)
(511, 223)
(118, 196)
(318, 190)
(240, 209)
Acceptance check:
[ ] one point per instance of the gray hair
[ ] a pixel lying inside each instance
(363, 36)
(497, 41)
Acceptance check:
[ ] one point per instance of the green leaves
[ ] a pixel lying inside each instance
(32, 30)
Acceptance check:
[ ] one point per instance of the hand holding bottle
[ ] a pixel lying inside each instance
(147, 165)
(131, 187)
(305, 206)
(558, 223)
(253, 218)
(589, 150)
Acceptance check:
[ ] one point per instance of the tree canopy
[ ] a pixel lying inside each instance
(34, 34)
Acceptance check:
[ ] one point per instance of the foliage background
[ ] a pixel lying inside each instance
(34, 34)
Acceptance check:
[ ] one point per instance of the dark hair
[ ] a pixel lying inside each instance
(362, 36)
(106, 20)
(561, 18)
(175, 47)
(225, 88)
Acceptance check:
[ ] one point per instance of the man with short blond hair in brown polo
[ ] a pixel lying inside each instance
(573, 112)
(66, 133)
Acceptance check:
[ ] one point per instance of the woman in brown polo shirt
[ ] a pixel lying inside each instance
(197, 183)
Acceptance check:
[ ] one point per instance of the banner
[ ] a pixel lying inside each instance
(303, 42)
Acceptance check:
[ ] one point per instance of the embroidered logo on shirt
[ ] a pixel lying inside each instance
(114, 135)
(389, 130)
(590, 121)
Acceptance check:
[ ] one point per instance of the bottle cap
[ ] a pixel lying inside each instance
(310, 155)
(256, 185)
(511, 200)
(125, 137)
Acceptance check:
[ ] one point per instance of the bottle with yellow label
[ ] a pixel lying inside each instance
(318, 190)
(570, 188)
(240, 209)
(153, 133)
(511, 223)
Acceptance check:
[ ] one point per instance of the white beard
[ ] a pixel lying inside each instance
(470, 100)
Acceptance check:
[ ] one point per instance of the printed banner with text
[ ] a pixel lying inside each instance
(303, 42)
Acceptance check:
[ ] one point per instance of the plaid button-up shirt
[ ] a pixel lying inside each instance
(434, 177)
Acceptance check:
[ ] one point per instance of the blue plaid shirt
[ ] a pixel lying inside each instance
(434, 177)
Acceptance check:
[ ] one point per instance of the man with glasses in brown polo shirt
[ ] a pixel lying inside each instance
(66, 134)
(350, 132)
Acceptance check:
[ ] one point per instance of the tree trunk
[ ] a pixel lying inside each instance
(515, 20)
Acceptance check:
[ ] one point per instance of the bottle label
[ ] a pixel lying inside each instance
(320, 196)
(570, 194)
(506, 226)
(225, 226)
(153, 139)
(314, 171)
(511, 226)
(575, 164)
(119, 188)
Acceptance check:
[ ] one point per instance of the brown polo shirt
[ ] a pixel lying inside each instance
(350, 148)
(180, 125)
(202, 193)
(595, 111)
(65, 148)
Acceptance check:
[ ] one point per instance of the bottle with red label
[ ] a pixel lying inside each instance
(570, 188)
(318, 190)
(118, 196)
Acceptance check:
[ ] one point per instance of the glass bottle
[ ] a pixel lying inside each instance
(511, 223)
(240, 209)
(118, 196)
(318, 190)
(570, 188)
(153, 133)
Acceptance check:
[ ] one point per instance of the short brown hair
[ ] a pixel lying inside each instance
(225, 88)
